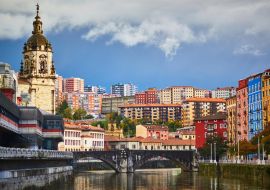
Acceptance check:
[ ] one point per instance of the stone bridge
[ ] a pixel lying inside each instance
(127, 161)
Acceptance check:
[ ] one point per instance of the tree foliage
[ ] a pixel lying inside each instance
(61, 108)
(79, 114)
(221, 147)
(67, 113)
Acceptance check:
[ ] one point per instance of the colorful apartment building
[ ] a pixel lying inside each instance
(153, 131)
(242, 109)
(211, 125)
(266, 97)
(194, 108)
(255, 108)
(149, 96)
(73, 85)
(152, 112)
(232, 120)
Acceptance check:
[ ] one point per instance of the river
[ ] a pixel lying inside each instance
(155, 179)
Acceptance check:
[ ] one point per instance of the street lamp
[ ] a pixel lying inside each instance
(238, 157)
(263, 161)
(259, 156)
(211, 153)
(215, 153)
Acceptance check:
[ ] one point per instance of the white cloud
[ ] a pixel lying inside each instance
(165, 24)
(247, 49)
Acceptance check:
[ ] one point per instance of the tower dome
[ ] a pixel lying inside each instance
(37, 41)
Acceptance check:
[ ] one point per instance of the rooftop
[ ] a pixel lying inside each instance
(217, 100)
(217, 116)
(149, 105)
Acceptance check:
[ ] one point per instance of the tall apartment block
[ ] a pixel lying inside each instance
(152, 112)
(149, 96)
(177, 94)
(194, 108)
(255, 109)
(225, 92)
(128, 89)
(95, 89)
(266, 97)
(242, 109)
(233, 134)
(73, 85)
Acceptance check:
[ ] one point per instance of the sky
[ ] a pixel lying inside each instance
(151, 43)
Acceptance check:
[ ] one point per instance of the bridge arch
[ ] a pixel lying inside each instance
(184, 165)
(99, 155)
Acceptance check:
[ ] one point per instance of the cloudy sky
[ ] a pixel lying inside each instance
(152, 43)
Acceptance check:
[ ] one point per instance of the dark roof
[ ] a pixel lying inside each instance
(9, 105)
(217, 116)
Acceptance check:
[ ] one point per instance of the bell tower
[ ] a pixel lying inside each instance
(37, 72)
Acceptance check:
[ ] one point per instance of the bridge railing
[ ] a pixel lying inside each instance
(250, 162)
(6, 153)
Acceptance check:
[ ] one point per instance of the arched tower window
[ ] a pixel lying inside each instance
(43, 64)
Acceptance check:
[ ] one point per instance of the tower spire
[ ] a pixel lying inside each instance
(37, 8)
(37, 24)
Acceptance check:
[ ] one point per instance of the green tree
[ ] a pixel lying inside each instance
(103, 124)
(129, 127)
(173, 125)
(79, 114)
(221, 147)
(67, 113)
(89, 116)
(61, 108)
(264, 139)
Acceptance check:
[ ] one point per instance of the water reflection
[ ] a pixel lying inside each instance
(158, 179)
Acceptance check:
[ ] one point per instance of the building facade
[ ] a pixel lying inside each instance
(152, 131)
(194, 108)
(37, 73)
(266, 98)
(112, 104)
(152, 112)
(8, 82)
(255, 111)
(232, 120)
(242, 109)
(209, 126)
(73, 85)
(149, 96)
(225, 92)
(128, 89)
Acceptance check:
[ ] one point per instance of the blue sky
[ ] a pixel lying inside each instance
(149, 43)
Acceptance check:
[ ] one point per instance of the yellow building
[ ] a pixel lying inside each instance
(36, 80)
(232, 120)
(194, 108)
(114, 131)
(266, 97)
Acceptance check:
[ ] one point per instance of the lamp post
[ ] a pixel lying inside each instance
(259, 156)
(238, 157)
(215, 152)
(263, 161)
(211, 153)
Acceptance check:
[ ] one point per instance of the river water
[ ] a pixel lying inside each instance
(156, 179)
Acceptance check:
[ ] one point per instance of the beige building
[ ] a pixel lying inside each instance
(81, 137)
(194, 108)
(111, 103)
(232, 120)
(151, 112)
(114, 131)
(36, 78)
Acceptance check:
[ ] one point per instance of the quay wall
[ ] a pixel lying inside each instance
(258, 173)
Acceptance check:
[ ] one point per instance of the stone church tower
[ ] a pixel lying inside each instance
(37, 73)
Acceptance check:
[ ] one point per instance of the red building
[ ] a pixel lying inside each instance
(149, 96)
(212, 125)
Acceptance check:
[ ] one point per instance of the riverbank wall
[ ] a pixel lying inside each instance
(258, 173)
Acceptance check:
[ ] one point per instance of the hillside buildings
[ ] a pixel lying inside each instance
(149, 96)
(128, 89)
(152, 112)
(37, 73)
(225, 92)
(73, 85)
(194, 108)
(112, 104)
